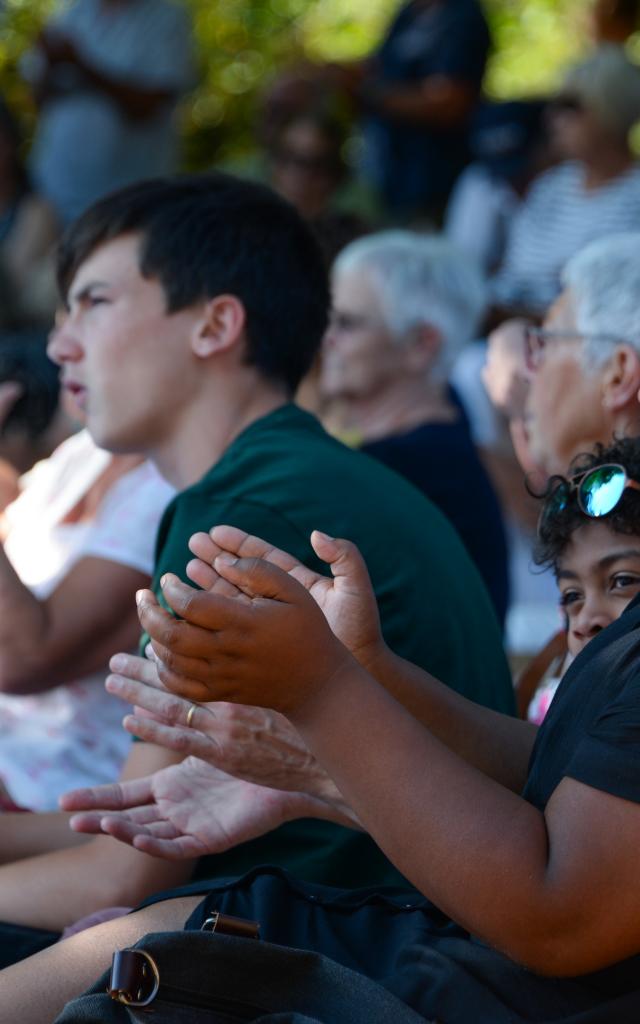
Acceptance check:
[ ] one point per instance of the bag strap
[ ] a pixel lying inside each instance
(135, 976)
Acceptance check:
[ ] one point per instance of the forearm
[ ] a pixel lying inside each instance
(470, 845)
(54, 890)
(496, 745)
(45, 643)
(441, 103)
(28, 835)
(136, 102)
(23, 624)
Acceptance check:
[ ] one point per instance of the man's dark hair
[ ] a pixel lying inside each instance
(208, 235)
(557, 527)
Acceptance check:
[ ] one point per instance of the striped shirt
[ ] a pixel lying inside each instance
(557, 219)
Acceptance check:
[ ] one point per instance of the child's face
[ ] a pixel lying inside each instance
(598, 575)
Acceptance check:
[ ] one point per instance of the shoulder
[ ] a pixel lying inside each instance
(563, 178)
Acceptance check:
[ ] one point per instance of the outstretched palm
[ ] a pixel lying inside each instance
(187, 810)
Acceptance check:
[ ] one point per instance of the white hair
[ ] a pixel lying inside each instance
(604, 279)
(421, 279)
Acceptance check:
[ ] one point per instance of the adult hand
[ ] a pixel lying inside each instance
(250, 743)
(186, 810)
(505, 373)
(347, 600)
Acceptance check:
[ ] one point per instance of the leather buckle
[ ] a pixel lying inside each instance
(226, 925)
(135, 978)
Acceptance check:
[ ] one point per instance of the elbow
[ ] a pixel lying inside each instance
(564, 952)
(13, 678)
(20, 678)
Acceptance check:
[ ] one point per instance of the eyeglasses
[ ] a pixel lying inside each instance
(598, 491)
(536, 340)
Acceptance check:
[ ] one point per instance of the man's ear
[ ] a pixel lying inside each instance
(220, 326)
(621, 379)
(423, 348)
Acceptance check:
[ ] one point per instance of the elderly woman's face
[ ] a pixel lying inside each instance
(359, 355)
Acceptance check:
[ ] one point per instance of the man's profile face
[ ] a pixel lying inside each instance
(565, 413)
(124, 359)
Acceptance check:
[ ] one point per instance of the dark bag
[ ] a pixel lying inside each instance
(196, 977)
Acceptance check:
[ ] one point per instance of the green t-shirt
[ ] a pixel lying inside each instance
(283, 477)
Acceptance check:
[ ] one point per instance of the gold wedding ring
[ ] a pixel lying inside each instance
(190, 713)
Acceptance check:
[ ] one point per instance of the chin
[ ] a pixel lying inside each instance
(109, 440)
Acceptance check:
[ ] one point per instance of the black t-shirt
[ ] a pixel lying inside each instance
(592, 730)
(591, 733)
(440, 459)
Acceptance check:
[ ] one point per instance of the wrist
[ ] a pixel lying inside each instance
(324, 699)
(376, 658)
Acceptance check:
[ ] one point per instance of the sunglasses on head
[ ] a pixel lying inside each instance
(597, 491)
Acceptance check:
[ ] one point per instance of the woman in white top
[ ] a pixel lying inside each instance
(78, 543)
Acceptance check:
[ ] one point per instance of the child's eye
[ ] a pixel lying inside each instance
(625, 579)
(568, 597)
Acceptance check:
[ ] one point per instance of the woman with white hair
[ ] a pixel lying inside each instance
(404, 305)
(595, 191)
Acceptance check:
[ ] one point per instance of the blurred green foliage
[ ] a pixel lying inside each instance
(242, 44)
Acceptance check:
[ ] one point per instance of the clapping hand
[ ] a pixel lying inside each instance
(255, 636)
(254, 744)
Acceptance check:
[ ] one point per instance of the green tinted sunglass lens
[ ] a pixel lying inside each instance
(601, 490)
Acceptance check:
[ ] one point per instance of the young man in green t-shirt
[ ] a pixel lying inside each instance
(195, 306)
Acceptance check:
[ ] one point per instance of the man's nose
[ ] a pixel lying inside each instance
(63, 345)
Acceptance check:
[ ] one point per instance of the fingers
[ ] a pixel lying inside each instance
(174, 711)
(88, 822)
(133, 667)
(210, 611)
(114, 796)
(258, 578)
(347, 564)
(201, 571)
(236, 542)
(180, 848)
(194, 689)
(244, 545)
(182, 740)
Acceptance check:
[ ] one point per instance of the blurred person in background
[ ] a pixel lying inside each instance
(305, 161)
(28, 232)
(595, 190)
(32, 419)
(404, 304)
(509, 146)
(106, 75)
(415, 95)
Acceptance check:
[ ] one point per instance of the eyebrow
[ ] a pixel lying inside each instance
(604, 563)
